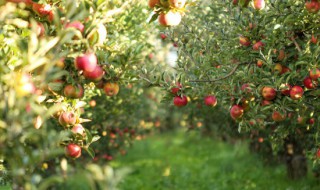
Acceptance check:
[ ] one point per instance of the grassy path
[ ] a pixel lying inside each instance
(187, 162)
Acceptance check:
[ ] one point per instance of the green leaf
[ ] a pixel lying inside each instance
(90, 152)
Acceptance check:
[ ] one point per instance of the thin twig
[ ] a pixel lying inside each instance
(224, 77)
(296, 44)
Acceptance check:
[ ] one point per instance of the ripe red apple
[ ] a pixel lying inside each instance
(235, 2)
(236, 112)
(277, 116)
(73, 150)
(41, 9)
(284, 70)
(285, 89)
(314, 74)
(309, 83)
(180, 101)
(111, 89)
(76, 24)
(246, 88)
(153, 3)
(177, 3)
(311, 121)
(244, 41)
(259, 4)
(163, 36)
(258, 45)
(314, 39)
(67, 119)
(86, 62)
(78, 129)
(296, 92)
(265, 102)
(75, 92)
(94, 75)
(259, 63)
(268, 93)
(170, 19)
(312, 6)
(210, 100)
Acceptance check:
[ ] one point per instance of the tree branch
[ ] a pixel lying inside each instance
(224, 77)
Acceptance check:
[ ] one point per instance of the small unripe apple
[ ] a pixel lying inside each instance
(86, 62)
(314, 74)
(210, 100)
(169, 19)
(75, 92)
(180, 101)
(296, 92)
(111, 89)
(78, 129)
(77, 25)
(259, 4)
(277, 116)
(94, 75)
(92, 103)
(73, 150)
(268, 93)
(67, 119)
(309, 83)
(244, 41)
(236, 112)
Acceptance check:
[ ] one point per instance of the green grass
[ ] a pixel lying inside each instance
(189, 162)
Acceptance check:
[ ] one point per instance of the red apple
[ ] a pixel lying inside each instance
(281, 55)
(244, 41)
(76, 24)
(163, 36)
(259, 63)
(235, 2)
(246, 88)
(170, 19)
(73, 150)
(259, 4)
(78, 129)
(265, 102)
(236, 112)
(268, 93)
(258, 45)
(277, 116)
(311, 121)
(71, 91)
(111, 89)
(285, 89)
(94, 75)
(314, 39)
(177, 3)
(180, 101)
(314, 74)
(296, 92)
(285, 70)
(210, 100)
(278, 68)
(312, 6)
(86, 62)
(67, 119)
(41, 9)
(153, 3)
(309, 83)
